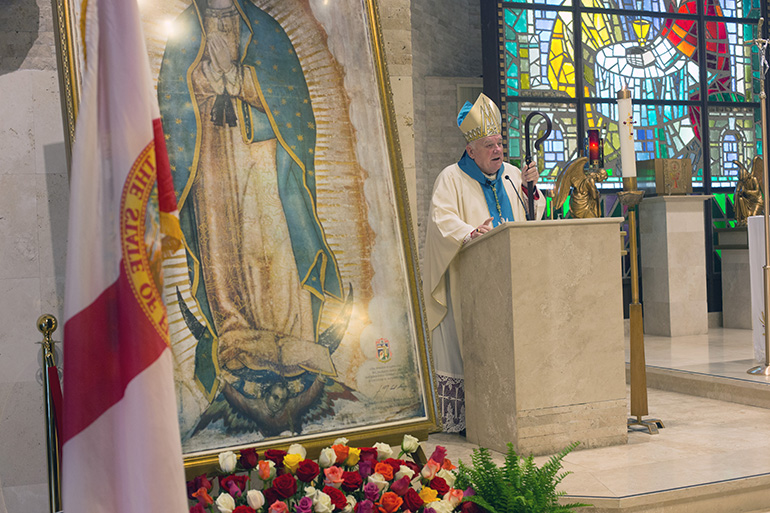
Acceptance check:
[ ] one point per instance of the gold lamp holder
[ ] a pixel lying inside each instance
(631, 197)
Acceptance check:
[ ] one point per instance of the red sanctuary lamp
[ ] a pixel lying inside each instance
(594, 149)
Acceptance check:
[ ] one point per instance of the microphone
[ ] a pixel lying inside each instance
(518, 195)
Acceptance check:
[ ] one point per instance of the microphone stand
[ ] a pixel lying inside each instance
(528, 158)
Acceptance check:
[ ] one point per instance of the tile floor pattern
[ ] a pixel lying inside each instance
(704, 440)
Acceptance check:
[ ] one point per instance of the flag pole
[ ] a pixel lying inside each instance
(764, 369)
(47, 324)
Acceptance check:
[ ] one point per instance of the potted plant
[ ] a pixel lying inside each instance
(519, 486)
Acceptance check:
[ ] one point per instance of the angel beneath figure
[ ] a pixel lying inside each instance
(748, 199)
(580, 182)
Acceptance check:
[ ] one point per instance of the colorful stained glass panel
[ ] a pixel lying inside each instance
(735, 135)
(557, 149)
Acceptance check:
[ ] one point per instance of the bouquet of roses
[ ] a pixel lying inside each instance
(344, 479)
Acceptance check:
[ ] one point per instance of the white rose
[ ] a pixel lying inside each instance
(410, 444)
(225, 503)
(327, 458)
(379, 480)
(255, 499)
(297, 449)
(351, 504)
(442, 506)
(322, 503)
(404, 471)
(448, 476)
(310, 491)
(341, 441)
(227, 461)
(384, 451)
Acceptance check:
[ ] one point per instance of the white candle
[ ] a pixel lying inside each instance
(626, 133)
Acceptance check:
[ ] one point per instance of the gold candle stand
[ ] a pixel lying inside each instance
(631, 197)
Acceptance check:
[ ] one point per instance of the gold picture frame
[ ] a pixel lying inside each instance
(274, 380)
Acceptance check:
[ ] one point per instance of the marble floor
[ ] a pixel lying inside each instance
(708, 448)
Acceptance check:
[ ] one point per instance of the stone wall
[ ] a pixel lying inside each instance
(446, 43)
(33, 228)
(34, 192)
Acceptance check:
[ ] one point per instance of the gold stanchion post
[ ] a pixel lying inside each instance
(47, 325)
(762, 45)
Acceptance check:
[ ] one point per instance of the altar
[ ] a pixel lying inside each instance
(543, 340)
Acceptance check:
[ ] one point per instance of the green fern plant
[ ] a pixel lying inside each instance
(519, 486)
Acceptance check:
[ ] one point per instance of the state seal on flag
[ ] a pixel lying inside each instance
(133, 214)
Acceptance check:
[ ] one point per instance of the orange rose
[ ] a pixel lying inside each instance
(389, 502)
(203, 496)
(385, 470)
(266, 469)
(342, 452)
(448, 464)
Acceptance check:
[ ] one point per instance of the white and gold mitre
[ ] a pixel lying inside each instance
(482, 119)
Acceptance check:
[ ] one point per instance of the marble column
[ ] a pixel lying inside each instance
(673, 262)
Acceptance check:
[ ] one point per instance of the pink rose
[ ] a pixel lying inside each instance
(439, 453)
(454, 496)
(430, 469)
(334, 476)
(278, 507)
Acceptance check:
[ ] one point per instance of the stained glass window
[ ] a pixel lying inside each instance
(688, 63)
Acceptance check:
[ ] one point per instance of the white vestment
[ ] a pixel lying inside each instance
(457, 207)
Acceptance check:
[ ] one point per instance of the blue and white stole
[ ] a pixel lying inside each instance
(494, 192)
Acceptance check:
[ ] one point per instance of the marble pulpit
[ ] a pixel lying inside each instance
(543, 342)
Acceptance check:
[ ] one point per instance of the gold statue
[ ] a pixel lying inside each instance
(582, 184)
(748, 198)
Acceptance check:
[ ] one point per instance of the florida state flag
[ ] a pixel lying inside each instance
(121, 451)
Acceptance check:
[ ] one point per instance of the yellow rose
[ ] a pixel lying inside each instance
(428, 494)
(354, 454)
(291, 462)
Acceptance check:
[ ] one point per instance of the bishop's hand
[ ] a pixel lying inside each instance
(482, 229)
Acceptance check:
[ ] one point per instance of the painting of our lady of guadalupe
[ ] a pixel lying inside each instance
(289, 307)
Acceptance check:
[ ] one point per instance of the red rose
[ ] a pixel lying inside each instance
(244, 509)
(271, 495)
(200, 481)
(396, 464)
(439, 484)
(412, 500)
(276, 456)
(307, 470)
(249, 458)
(227, 483)
(400, 486)
(471, 507)
(285, 486)
(368, 454)
(337, 497)
(351, 481)
(198, 508)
